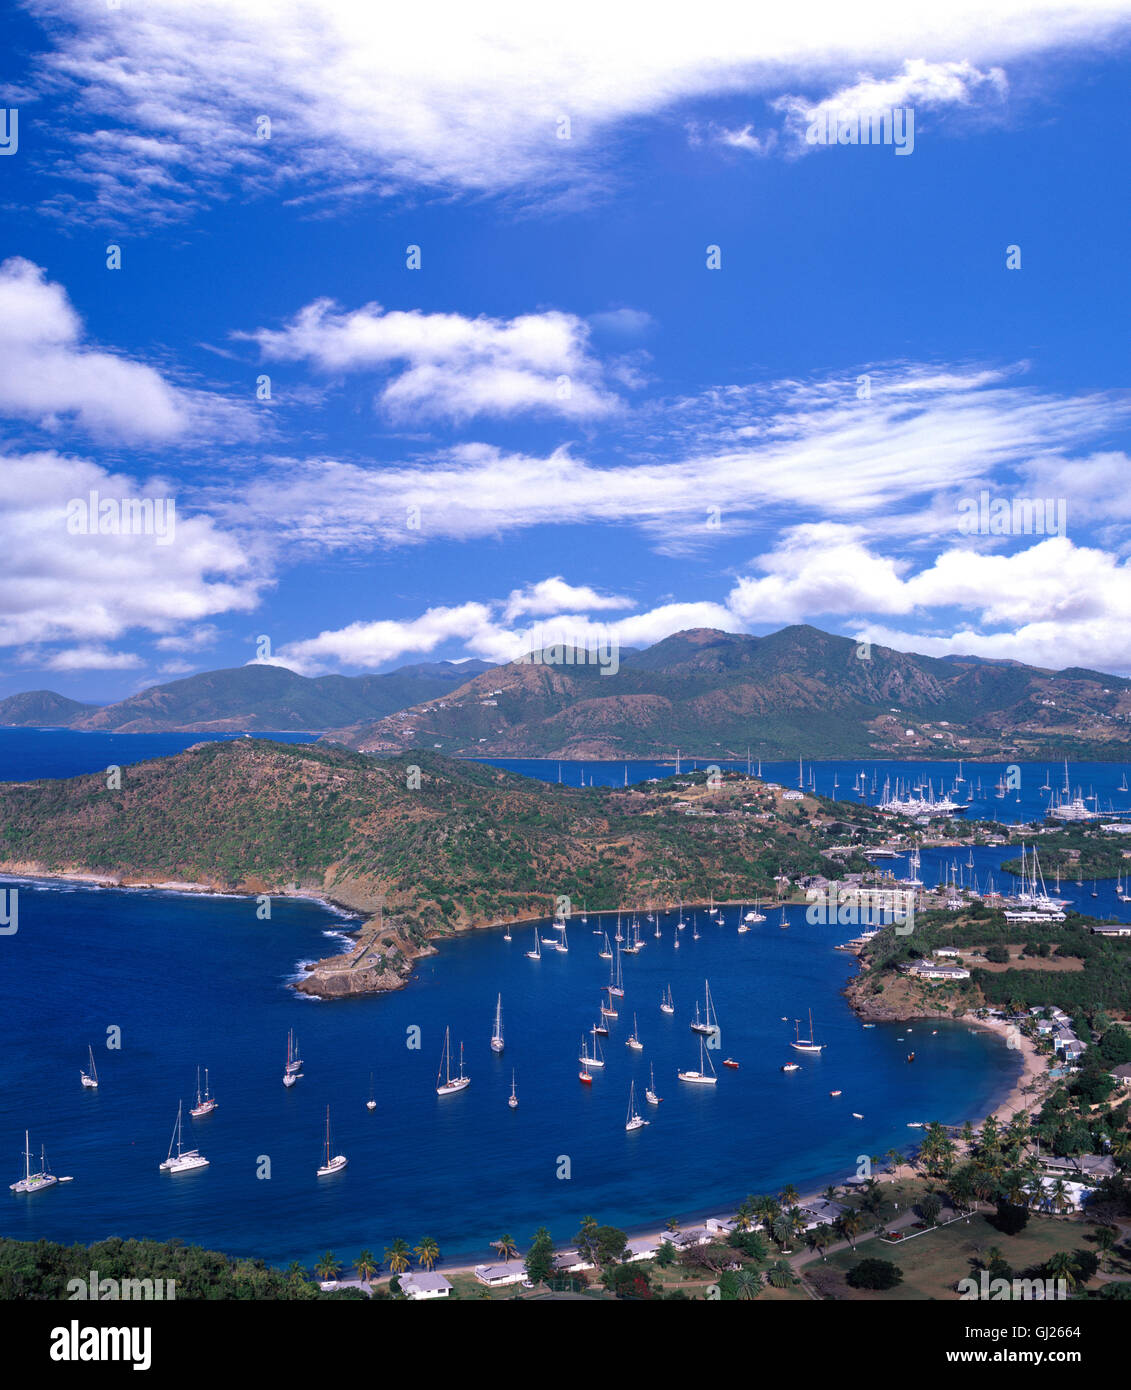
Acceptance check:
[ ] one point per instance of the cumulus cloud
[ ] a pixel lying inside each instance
(89, 590)
(555, 595)
(468, 98)
(449, 365)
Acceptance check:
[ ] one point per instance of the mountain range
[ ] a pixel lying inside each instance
(707, 692)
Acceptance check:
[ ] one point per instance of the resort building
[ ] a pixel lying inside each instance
(821, 1212)
(1088, 1167)
(945, 951)
(571, 1262)
(644, 1247)
(423, 1283)
(496, 1276)
(935, 971)
(1121, 1073)
(1122, 929)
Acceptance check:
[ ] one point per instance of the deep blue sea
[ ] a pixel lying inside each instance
(194, 980)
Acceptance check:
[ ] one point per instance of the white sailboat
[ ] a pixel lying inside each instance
(667, 1004)
(206, 1102)
(497, 1032)
(337, 1162)
(701, 1077)
(90, 1078)
(805, 1044)
(33, 1182)
(562, 945)
(371, 1103)
(754, 915)
(450, 1084)
(513, 1100)
(294, 1061)
(185, 1159)
(616, 978)
(596, 1059)
(633, 1040)
(606, 951)
(536, 954)
(634, 1120)
(709, 1024)
(650, 1094)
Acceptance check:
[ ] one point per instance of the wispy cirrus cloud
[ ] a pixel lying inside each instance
(455, 98)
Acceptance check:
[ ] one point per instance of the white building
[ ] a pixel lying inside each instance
(423, 1283)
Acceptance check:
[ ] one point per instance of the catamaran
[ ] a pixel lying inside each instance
(185, 1158)
(33, 1182)
(536, 954)
(513, 1101)
(294, 1061)
(633, 1040)
(667, 1004)
(90, 1078)
(805, 1044)
(710, 1024)
(450, 1084)
(330, 1165)
(754, 915)
(701, 1077)
(205, 1101)
(650, 1094)
(634, 1120)
(497, 1034)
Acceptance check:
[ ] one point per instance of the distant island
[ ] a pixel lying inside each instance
(712, 694)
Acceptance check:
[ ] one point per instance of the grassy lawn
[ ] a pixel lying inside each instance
(934, 1262)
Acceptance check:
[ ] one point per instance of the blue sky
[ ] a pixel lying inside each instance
(602, 435)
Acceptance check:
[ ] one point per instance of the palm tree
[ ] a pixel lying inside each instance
(781, 1228)
(427, 1253)
(1061, 1201)
(1106, 1237)
(895, 1158)
(850, 1226)
(398, 1256)
(1062, 1265)
(295, 1273)
(744, 1216)
(506, 1247)
(673, 1222)
(780, 1274)
(747, 1283)
(789, 1196)
(327, 1267)
(366, 1266)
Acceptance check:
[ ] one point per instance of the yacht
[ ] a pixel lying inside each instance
(805, 1044)
(634, 1120)
(667, 1005)
(185, 1158)
(701, 1077)
(450, 1084)
(513, 1099)
(650, 1094)
(33, 1182)
(633, 1040)
(89, 1079)
(206, 1102)
(337, 1162)
(497, 1032)
(710, 1024)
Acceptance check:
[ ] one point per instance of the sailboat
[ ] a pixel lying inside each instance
(371, 1103)
(667, 1005)
(90, 1078)
(507, 935)
(450, 1084)
(513, 1101)
(805, 1044)
(634, 1120)
(294, 1061)
(701, 1077)
(562, 945)
(710, 1024)
(497, 1034)
(186, 1158)
(584, 1074)
(331, 1165)
(33, 1182)
(633, 1040)
(596, 1059)
(536, 954)
(1046, 785)
(607, 1010)
(784, 920)
(1123, 785)
(754, 915)
(606, 951)
(650, 1094)
(205, 1102)
(616, 978)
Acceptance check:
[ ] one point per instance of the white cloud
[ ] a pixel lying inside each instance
(449, 365)
(463, 97)
(367, 645)
(89, 658)
(47, 373)
(91, 590)
(920, 85)
(555, 595)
